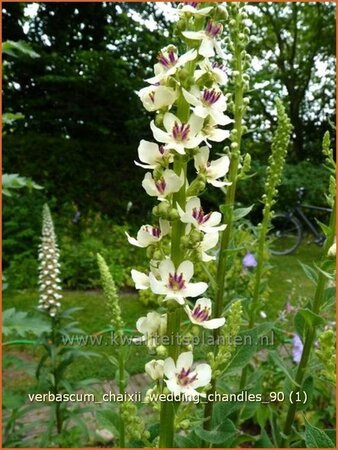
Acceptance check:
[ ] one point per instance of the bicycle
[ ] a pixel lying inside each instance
(287, 228)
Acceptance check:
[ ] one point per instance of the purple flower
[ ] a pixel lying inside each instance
(297, 349)
(249, 261)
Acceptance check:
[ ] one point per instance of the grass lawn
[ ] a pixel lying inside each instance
(288, 284)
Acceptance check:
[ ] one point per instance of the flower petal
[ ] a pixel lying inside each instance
(140, 279)
(169, 368)
(213, 323)
(195, 289)
(203, 376)
(184, 361)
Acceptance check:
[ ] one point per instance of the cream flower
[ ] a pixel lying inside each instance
(215, 72)
(157, 97)
(169, 62)
(164, 186)
(152, 327)
(210, 132)
(208, 39)
(153, 155)
(201, 313)
(148, 234)
(209, 241)
(183, 379)
(154, 369)
(140, 279)
(194, 214)
(174, 283)
(212, 170)
(191, 8)
(178, 135)
(209, 102)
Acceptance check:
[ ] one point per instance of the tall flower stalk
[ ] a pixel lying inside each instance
(238, 39)
(49, 267)
(185, 94)
(322, 278)
(274, 174)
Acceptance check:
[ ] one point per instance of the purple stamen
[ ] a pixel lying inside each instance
(193, 4)
(201, 314)
(185, 377)
(167, 61)
(213, 29)
(210, 96)
(181, 132)
(161, 149)
(176, 282)
(156, 232)
(161, 185)
(152, 96)
(199, 216)
(217, 65)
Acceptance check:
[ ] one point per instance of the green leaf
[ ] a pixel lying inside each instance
(214, 436)
(310, 317)
(282, 366)
(251, 342)
(308, 388)
(20, 323)
(316, 438)
(18, 48)
(239, 213)
(310, 272)
(108, 419)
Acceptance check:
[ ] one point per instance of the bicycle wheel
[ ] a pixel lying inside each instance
(285, 234)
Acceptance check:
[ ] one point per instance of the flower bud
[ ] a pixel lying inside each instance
(162, 351)
(159, 119)
(154, 369)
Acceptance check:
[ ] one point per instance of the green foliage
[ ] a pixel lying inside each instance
(316, 438)
(20, 323)
(18, 49)
(14, 181)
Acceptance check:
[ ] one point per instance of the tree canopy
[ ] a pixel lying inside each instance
(83, 121)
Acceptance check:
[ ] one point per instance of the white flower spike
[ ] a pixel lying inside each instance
(174, 283)
(148, 234)
(178, 135)
(194, 214)
(169, 183)
(213, 170)
(201, 313)
(182, 379)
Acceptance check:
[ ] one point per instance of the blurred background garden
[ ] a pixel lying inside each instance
(73, 123)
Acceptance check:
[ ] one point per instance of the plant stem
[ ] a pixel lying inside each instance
(55, 375)
(311, 332)
(122, 386)
(167, 415)
(228, 210)
(258, 277)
